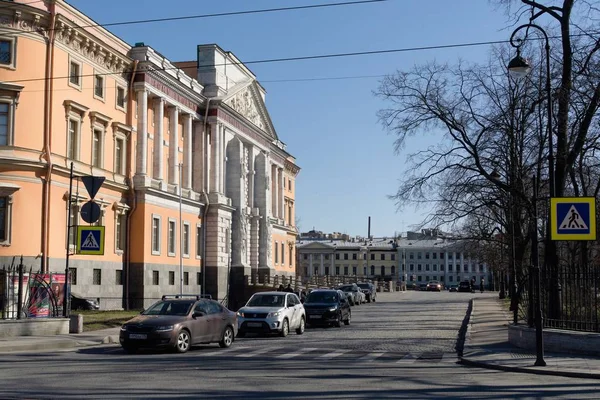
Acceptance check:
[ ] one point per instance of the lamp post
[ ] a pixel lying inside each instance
(519, 67)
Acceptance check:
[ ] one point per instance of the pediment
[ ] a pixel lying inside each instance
(316, 246)
(247, 101)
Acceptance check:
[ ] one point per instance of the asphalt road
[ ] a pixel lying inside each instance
(402, 347)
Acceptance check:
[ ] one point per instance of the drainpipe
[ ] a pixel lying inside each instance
(131, 186)
(47, 152)
(206, 199)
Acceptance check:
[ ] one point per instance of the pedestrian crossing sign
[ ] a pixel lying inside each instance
(573, 218)
(90, 240)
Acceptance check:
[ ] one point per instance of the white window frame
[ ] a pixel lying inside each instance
(121, 210)
(100, 75)
(77, 136)
(174, 224)
(120, 132)
(78, 86)
(282, 253)
(158, 218)
(74, 112)
(10, 94)
(276, 256)
(198, 241)
(185, 240)
(7, 190)
(99, 152)
(13, 52)
(98, 122)
(117, 106)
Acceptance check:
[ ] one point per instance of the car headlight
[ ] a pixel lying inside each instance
(332, 309)
(124, 328)
(240, 314)
(164, 328)
(273, 314)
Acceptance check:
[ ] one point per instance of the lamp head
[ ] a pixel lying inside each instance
(519, 67)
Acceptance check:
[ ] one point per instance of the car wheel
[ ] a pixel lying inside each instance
(301, 328)
(183, 341)
(338, 321)
(241, 334)
(347, 320)
(227, 338)
(285, 328)
(373, 299)
(130, 349)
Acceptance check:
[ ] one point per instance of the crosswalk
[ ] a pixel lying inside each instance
(333, 355)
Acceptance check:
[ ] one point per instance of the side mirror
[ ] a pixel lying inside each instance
(197, 314)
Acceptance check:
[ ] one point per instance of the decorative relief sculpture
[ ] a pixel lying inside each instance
(243, 103)
(245, 172)
(243, 234)
(269, 243)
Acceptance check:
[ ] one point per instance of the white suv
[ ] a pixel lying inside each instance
(272, 312)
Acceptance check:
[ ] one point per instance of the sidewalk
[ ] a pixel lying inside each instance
(486, 346)
(57, 342)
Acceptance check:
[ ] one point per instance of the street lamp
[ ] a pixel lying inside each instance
(519, 67)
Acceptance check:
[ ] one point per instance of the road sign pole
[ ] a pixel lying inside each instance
(65, 291)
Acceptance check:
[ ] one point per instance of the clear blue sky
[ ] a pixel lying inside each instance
(330, 126)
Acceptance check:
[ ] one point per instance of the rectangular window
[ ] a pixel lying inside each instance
(74, 221)
(353, 270)
(4, 123)
(481, 268)
(97, 148)
(426, 267)
(198, 278)
(337, 270)
(198, 241)
(171, 278)
(337, 256)
(186, 278)
(120, 156)
(354, 256)
(393, 257)
(383, 256)
(97, 276)
(155, 235)
(171, 237)
(345, 256)
(186, 239)
(427, 255)
(6, 52)
(73, 139)
(75, 73)
(155, 278)
(465, 268)
(276, 253)
(120, 97)
(120, 226)
(434, 254)
(282, 253)
(73, 273)
(3, 219)
(305, 256)
(419, 255)
(450, 268)
(119, 277)
(99, 86)
(435, 267)
(412, 267)
(291, 252)
(372, 256)
(419, 268)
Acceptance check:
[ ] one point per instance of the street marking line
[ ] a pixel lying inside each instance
(223, 351)
(450, 358)
(334, 354)
(254, 353)
(296, 353)
(409, 358)
(372, 356)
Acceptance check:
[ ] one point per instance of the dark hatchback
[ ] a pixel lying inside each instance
(465, 286)
(327, 307)
(179, 323)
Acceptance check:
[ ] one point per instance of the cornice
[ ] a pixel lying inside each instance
(26, 19)
(293, 168)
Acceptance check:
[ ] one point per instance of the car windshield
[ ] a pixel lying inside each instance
(180, 308)
(267, 300)
(363, 285)
(322, 297)
(347, 288)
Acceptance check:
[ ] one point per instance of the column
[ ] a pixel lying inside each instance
(275, 193)
(187, 151)
(141, 164)
(222, 154)
(281, 192)
(310, 265)
(215, 146)
(158, 161)
(254, 242)
(322, 268)
(174, 146)
(198, 157)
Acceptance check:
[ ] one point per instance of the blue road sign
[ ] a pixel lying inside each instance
(573, 218)
(90, 240)
(90, 212)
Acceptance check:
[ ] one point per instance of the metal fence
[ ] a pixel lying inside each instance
(577, 301)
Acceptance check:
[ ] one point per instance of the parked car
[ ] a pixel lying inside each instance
(180, 322)
(453, 288)
(79, 302)
(369, 290)
(353, 293)
(434, 286)
(465, 286)
(272, 312)
(422, 287)
(327, 307)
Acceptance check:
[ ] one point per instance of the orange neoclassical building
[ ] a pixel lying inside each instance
(198, 189)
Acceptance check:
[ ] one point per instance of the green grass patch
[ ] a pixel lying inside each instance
(95, 320)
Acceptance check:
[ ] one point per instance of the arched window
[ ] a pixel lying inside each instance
(372, 270)
(382, 270)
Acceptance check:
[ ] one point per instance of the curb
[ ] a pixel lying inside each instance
(535, 371)
(24, 347)
(111, 339)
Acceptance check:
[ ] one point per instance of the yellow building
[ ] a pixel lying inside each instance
(196, 177)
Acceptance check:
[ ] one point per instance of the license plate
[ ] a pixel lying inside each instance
(138, 336)
(314, 316)
(254, 324)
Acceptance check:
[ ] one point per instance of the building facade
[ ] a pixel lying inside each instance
(413, 261)
(198, 186)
